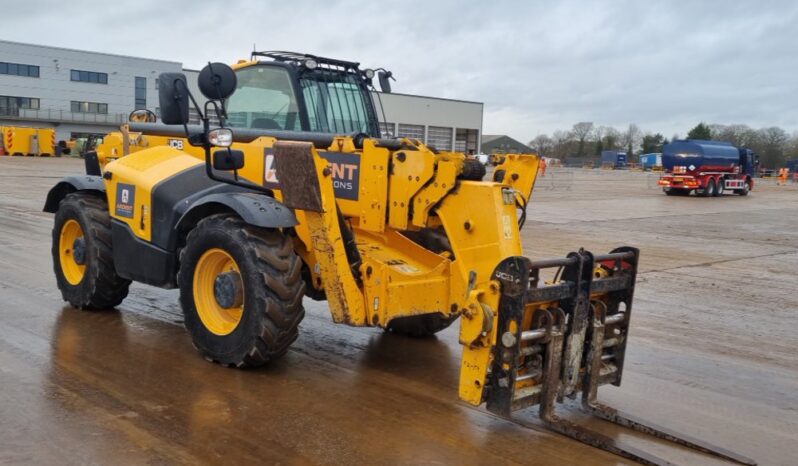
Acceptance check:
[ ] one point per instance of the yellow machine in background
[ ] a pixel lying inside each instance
(20, 140)
(297, 201)
(496, 158)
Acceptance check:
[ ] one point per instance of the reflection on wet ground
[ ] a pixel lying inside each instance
(126, 386)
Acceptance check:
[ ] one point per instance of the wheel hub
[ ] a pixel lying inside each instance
(72, 252)
(218, 291)
(79, 251)
(227, 290)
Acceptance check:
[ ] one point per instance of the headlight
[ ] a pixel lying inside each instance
(221, 137)
(369, 73)
(310, 64)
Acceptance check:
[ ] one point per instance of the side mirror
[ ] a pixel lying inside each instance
(385, 81)
(217, 81)
(142, 116)
(228, 160)
(173, 98)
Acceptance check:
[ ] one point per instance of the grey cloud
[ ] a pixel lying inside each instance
(538, 66)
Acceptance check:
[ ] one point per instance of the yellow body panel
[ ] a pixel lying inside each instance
(443, 182)
(401, 278)
(373, 188)
(143, 170)
(517, 168)
(411, 171)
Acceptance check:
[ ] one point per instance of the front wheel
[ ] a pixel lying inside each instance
(746, 189)
(241, 291)
(82, 257)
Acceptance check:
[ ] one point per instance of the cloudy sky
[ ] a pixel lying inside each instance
(538, 66)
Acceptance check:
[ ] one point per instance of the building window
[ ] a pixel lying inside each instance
(10, 106)
(440, 137)
(18, 69)
(89, 77)
(89, 107)
(387, 130)
(141, 92)
(410, 131)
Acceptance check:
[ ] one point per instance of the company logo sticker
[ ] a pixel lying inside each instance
(125, 200)
(345, 173)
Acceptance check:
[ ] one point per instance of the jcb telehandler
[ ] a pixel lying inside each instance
(304, 198)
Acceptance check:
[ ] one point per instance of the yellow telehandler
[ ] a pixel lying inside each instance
(292, 193)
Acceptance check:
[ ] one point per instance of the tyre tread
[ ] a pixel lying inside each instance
(106, 289)
(279, 301)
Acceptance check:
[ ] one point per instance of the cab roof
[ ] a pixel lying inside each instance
(299, 58)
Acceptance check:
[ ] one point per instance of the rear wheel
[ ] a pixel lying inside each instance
(420, 326)
(709, 190)
(82, 257)
(719, 188)
(241, 291)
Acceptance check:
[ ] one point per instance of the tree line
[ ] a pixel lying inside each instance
(586, 141)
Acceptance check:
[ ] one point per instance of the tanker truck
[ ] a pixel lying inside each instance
(710, 168)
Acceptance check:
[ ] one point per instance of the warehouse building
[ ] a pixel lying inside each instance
(76, 92)
(446, 124)
(502, 143)
(80, 93)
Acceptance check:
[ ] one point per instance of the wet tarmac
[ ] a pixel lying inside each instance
(712, 351)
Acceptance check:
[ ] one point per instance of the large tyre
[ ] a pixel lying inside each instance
(420, 326)
(241, 291)
(709, 191)
(746, 189)
(719, 187)
(82, 257)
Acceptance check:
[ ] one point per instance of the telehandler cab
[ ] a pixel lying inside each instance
(247, 220)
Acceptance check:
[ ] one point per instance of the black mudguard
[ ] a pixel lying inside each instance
(256, 209)
(70, 184)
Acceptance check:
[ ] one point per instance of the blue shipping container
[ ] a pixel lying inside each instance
(650, 161)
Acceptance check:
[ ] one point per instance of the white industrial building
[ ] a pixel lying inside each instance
(80, 92)
(446, 124)
(74, 91)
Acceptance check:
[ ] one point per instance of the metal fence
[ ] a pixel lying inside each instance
(555, 179)
(63, 116)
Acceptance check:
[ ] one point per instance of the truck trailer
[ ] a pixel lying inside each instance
(613, 159)
(709, 168)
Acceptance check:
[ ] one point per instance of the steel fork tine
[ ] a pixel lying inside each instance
(594, 407)
(617, 417)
